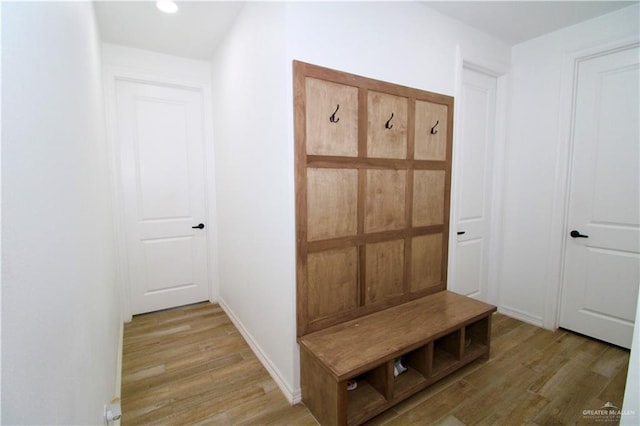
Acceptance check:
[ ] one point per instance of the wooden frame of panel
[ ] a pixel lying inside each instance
(369, 228)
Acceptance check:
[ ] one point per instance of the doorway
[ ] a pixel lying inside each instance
(602, 252)
(160, 143)
(474, 182)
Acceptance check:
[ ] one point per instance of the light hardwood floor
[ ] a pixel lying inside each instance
(190, 366)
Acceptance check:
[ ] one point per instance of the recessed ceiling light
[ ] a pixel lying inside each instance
(167, 6)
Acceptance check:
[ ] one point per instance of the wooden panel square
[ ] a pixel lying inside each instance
(385, 200)
(323, 136)
(384, 270)
(333, 282)
(429, 146)
(426, 262)
(332, 203)
(428, 197)
(383, 142)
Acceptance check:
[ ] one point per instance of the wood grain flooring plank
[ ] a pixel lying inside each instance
(501, 324)
(207, 342)
(570, 399)
(284, 414)
(526, 406)
(435, 388)
(490, 394)
(168, 315)
(213, 408)
(614, 391)
(450, 421)
(512, 338)
(183, 333)
(611, 361)
(146, 383)
(259, 408)
(437, 406)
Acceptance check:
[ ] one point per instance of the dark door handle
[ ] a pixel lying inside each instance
(461, 232)
(200, 226)
(577, 234)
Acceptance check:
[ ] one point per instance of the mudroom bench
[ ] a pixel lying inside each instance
(373, 194)
(433, 335)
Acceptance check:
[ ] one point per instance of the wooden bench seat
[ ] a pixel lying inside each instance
(435, 335)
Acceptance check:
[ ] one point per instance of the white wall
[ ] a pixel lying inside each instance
(60, 307)
(120, 62)
(254, 164)
(405, 43)
(401, 42)
(141, 62)
(537, 163)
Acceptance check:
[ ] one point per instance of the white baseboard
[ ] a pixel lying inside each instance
(118, 389)
(297, 397)
(521, 315)
(293, 396)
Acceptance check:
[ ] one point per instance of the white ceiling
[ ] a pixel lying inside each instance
(193, 32)
(199, 26)
(516, 21)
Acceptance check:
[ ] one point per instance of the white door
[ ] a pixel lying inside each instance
(602, 260)
(474, 175)
(160, 139)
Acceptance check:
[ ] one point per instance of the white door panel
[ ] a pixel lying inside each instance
(474, 175)
(160, 136)
(616, 269)
(602, 270)
(469, 266)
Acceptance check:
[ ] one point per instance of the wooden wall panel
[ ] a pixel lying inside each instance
(332, 201)
(332, 118)
(384, 270)
(385, 200)
(426, 262)
(372, 194)
(428, 197)
(387, 126)
(333, 282)
(431, 131)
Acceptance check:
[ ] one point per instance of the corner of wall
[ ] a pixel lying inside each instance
(254, 166)
(292, 395)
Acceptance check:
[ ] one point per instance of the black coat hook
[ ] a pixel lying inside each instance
(333, 118)
(433, 129)
(387, 125)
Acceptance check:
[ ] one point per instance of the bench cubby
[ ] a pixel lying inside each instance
(417, 363)
(476, 338)
(446, 352)
(371, 394)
